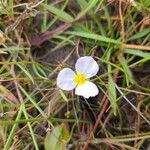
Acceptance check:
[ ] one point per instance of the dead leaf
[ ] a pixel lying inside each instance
(8, 94)
(2, 38)
(40, 38)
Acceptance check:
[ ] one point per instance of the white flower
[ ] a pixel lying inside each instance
(86, 67)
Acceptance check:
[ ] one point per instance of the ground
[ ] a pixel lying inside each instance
(38, 39)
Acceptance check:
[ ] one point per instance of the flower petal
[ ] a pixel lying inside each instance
(65, 79)
(87, 90)
(87, 65)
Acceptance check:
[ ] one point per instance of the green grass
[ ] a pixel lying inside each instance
(34, 113)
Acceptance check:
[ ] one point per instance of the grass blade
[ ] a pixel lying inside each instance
(33, 102)
(132, 104)
(137, 53)
(83, 4)
(111, 86)
(26, 72)
(63, 96)
(94, 37)
(87, 8)
(127, 71)
(58, 12)
(12, 132)
(139, 34)
(30, 128)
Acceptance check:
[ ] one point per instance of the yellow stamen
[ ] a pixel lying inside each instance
(80, 79)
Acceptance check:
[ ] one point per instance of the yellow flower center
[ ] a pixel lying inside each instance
(80, 79)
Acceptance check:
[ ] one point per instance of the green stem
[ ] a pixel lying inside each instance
(12, 132)
(30, 128)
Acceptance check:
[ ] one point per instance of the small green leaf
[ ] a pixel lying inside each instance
(57, 139)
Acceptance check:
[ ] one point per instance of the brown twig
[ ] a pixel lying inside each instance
(104, 104)
(140, 47)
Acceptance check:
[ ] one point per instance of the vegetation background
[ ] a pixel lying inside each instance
(40, 37)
